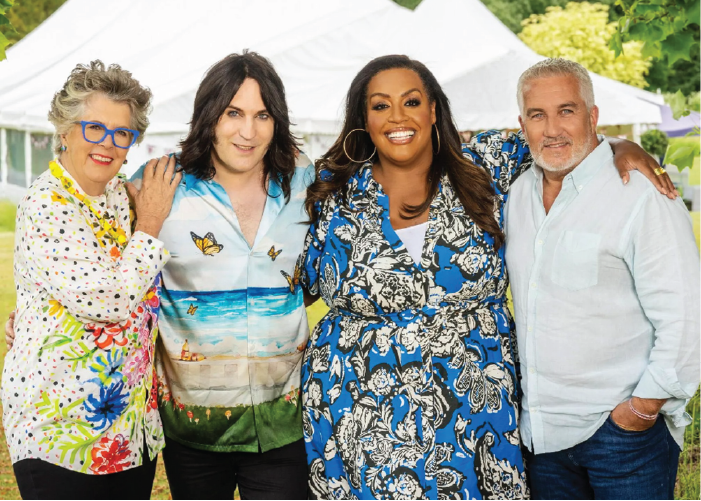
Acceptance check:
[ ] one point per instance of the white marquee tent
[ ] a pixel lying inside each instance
(317, 46)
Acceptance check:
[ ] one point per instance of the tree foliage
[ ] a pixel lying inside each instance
(409, 4)
(581, 32)
(667, 28)
(5, 25)
(22, 18)
(512, 13)
(654, 141)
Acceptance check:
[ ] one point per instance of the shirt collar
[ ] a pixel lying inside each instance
(111, 186)
(190, 181)
(591, 164)
(274, 188)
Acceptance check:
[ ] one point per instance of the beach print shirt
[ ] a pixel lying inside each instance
(409, 383)
(233, 324)
(77, 388)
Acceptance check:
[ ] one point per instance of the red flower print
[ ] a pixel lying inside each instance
(139, 311)
(153, 399)
(110, 455)
(105, 336)
(114, 253)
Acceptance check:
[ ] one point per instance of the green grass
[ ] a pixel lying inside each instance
(687, 479)
(7, 216)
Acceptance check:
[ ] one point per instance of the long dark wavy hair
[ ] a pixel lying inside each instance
(218, 88)
(472, 184)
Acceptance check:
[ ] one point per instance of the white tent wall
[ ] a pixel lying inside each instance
(317, 46)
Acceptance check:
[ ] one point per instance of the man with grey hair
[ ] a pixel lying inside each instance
(605, 283)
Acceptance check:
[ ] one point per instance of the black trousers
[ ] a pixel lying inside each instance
(197, 474)
(38, 479)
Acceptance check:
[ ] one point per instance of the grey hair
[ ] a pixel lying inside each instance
(86, 80)
(557, 67)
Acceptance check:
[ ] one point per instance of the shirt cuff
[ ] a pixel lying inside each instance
(149, 250)
(661, 384)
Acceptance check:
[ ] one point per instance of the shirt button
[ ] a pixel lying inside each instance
(540, 242)
(580, 187)
(534, 410)
(533, 285)
(530, 329)
(531, 370)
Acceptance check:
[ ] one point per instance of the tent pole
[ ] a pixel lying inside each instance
(3, 159)
(637, 131)
(27, 159)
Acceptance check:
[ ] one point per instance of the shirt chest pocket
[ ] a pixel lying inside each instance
(576, 260)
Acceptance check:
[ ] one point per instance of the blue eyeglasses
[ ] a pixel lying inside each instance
(95, 132)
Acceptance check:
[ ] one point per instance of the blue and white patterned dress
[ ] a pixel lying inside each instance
(409, 381)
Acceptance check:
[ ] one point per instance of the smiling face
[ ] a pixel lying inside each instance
(560, 130)
(244, 132)
(94, 165)
(400, 117)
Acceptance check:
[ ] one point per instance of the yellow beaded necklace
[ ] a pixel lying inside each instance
(112, 230)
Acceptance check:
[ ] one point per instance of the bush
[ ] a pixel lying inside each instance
(654, 142)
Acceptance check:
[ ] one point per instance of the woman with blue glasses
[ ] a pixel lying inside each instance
(79, 402)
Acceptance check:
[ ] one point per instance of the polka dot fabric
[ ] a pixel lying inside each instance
(78, 385)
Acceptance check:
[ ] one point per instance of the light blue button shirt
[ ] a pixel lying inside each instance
(606, 297)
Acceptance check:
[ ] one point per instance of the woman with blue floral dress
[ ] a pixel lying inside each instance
(409, 382)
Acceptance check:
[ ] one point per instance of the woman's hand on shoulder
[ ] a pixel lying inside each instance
(154, 199)
(628, 156)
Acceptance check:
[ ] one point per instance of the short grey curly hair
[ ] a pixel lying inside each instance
(68, 104)
(557, 67)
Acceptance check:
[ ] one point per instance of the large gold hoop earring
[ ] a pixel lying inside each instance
(346, 151)
(438, 139)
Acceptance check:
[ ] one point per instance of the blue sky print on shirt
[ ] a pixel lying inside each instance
(220, 319)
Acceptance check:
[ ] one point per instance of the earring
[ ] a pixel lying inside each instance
(438, 139)
(346, 151)
(63, 147)
(125, 161)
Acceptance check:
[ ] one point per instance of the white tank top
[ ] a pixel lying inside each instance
(413, 238)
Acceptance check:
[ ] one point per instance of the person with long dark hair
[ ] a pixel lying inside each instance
(410, 381)
(233, 324)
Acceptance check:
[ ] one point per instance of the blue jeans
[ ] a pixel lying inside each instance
(612, 464)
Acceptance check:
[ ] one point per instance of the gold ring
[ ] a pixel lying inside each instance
(659, 171)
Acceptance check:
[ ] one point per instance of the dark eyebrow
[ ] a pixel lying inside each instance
(386, 96)
(235, 108)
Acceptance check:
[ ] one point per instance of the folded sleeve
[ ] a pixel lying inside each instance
(63, 256)
(665, 262)
(504, 158)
